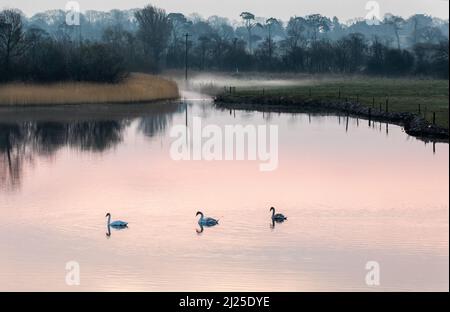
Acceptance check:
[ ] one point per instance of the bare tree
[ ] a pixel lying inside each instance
(11, 38)
(249, 23)
(295, 30)
(270, 23)
(396, 23)
(154, 31)
(317, 24)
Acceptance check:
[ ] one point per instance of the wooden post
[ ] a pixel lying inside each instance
(434, 118)
(339, 93)
(419, 109)
(346, 124)
(387, 105)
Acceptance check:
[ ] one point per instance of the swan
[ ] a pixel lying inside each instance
(116, 224)
(206, 221)
(201, 229)
(277, 217)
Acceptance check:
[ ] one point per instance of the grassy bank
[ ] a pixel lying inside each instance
(405, 95)
(136, 88)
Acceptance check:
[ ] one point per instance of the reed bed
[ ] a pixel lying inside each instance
(134, 89)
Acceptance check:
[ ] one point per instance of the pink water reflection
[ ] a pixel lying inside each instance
(351, 197)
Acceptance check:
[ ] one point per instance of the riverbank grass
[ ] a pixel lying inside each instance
(403, 95)
(136, 88)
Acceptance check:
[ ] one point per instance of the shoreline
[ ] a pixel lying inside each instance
(413, 124)
(85, 112)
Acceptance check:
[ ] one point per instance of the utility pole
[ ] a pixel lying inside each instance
(186, 57)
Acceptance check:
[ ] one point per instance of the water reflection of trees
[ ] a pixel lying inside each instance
(154, 124)
(12, 154)
(20, 143)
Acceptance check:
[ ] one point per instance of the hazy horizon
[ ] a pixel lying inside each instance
(282, 9)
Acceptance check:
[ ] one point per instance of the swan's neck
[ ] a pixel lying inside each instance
(273, 212)
(201, 217)
(109, 220)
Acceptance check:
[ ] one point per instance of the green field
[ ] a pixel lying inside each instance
(405, 95)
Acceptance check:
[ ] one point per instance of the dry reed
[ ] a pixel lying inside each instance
(136, 88)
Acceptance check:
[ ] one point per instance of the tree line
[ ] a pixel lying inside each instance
(153, 40)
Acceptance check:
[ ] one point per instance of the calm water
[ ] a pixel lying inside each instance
(353, 193)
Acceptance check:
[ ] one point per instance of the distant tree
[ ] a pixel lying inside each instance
(398, 62)
(430, 34)
(317, 24)
(418, 21)
(440, 63)
(12, 43)
(205, 41)
(249, 23)
(154, 32)
(295, 29)
(180, 26)
(101, 63)
(270, 23)
(395, 22)
(179, 23)
(376, 58)
(294, 46)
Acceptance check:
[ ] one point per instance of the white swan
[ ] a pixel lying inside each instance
(206, 221)
(116, 224)
(277, 217)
